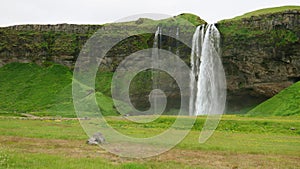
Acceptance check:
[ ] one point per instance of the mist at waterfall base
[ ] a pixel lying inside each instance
(207, 77)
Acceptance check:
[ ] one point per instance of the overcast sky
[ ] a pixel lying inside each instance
(103, 11)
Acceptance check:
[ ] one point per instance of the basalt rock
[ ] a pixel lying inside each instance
(261, 54)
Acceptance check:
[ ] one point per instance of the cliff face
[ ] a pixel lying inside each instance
(261, 54)
(43, 43)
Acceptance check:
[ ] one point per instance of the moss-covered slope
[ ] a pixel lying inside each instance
(286, 103)
(29, 88)
(266, 11)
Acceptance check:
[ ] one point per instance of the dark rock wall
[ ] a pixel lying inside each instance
(261, 54)
(43, 43)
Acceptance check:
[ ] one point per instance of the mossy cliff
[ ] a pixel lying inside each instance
(43, 43)
(62, 43)
(261, 54)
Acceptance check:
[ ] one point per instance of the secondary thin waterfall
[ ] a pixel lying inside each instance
(155, 59)
(155, 47)
(177, 37)
(208, 84)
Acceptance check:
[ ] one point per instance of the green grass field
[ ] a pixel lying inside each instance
(239, 141)
(268, 136)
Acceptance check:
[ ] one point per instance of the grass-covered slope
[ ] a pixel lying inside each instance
(194, 19)
(29, 88)
(286, 103)
(266, 11)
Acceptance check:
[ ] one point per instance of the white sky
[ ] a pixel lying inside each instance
(14, 12)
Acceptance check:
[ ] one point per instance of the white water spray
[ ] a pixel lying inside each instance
(194, 56)
(208, 83)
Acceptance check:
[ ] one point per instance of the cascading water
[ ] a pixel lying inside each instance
(208, 82)
(155, 59)
(195, 59)
(155, 51)
(156, 42)
(194, 55)
(177, 37)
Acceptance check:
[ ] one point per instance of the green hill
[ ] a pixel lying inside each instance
(43, 91)
(286, 103)
(194, 19)
(266, 11)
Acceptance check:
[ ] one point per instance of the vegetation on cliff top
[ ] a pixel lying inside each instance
(194, 19)
(234, 26)
(168, 22)
(280, 35)
(264, 12)
(41, 45)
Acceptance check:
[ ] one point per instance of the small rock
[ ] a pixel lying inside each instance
(86, 118)
(96, 139)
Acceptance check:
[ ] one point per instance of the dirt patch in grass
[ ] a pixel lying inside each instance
(192, 158)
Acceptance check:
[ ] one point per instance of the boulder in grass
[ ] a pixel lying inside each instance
(96, 139)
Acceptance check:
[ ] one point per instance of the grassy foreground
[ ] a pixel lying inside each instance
(238, 142)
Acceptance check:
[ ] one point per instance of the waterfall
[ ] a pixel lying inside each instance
(160, 38)
(155, 51)
(157, 43)
(207, 75)
(194, 55)
(177, 45)
(157, 38)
